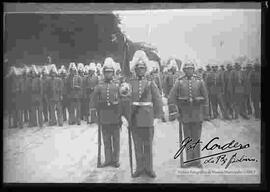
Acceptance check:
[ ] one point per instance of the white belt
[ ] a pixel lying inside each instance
(142, 103)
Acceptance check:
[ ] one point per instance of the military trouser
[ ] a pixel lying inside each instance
(143, 141)
(64, 108)
(36, 107)
(83, 108)
(239, 105)
(217, 101)
(248, 103)
(45, 109)
(111, 140)
(56, 106)
(193, 130)
(229, 103)
(256, 98)
(74, 111)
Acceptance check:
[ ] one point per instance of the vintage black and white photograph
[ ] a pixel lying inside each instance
(131, 94)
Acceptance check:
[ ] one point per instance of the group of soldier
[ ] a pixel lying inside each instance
(104, 95)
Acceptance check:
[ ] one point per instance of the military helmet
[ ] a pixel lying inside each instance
(139, 59)
(92, 67)
(188, 64)
(53, 69)
(34, 70)
(72, 67)
(62, 70)
(108, 64)
(80, 67)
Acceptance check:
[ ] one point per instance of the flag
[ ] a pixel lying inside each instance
(125, 64)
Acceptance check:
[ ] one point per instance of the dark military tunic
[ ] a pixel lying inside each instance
(36, 99)
(191, 97)
(90, 82)
(56, 87)
(74, 93)
(255, 81)
(146, 104)
(106, 100)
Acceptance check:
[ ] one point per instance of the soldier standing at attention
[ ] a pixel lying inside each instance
(36, 98)
(146, 105)
(82, 100)
(171, 77)
(45, 98)
(106, 99)
(190, 95)
(74, 86)
(217, 90)
(91, 83)
(255, 80)
(229, 90)
(207, 81)
(55, 97)
(238, 92)
(248, 88)
(63, 75)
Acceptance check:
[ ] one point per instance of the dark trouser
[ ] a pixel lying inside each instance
(210, 104)
(36, 106)
(256, 98)
(193, 130)
(56, 106)
(65, 107)
(83, 108)
(228, 103)
(248, 104)
(75, 105)
(239, 103)
(111, 140)
(143, 141)
(45, 109)
(217, 100)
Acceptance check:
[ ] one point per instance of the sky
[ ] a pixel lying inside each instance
(203, 35)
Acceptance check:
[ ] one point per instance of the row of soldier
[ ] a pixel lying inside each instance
(233, 91)
(33, 94)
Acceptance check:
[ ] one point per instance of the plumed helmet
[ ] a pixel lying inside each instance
(72, 67)
(53, 69)
(117, 67)
(99, 66)
(80, 67)
(109, 65)
(188, 64)
(34, 70)
(139, 59)
(92, 67)
(62, 70)
(173, 64)
(86, 68)
(45, 70)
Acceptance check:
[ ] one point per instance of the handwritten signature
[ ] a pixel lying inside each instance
(219, 157)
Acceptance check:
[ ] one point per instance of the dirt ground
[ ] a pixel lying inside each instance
(69, 154)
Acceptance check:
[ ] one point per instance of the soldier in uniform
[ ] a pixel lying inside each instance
(146, 105)
(26, 96)
(238, 92)
(80, 93)
(63, 75)
(171, 77)
(74, 85)
(207, 81)
(229, 90)
(106, 99)
(247, 88)
(91, 82)
(55, 97)
(36, 99)
(216, 87)
(45, 99)
(11, 82)
(255, 80)
(190, 95)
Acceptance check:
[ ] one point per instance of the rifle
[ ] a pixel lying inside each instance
(99, 143)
